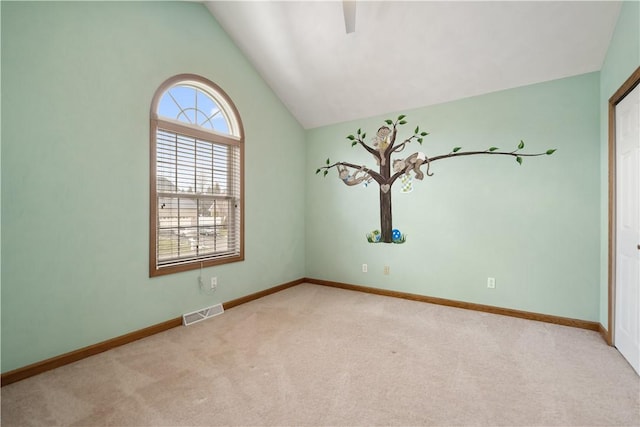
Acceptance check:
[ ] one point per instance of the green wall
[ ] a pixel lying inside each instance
(534, 227)
(0, 168)
(77, 82)
(623, 57)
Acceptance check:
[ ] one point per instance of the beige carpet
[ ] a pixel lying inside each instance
(313, 355)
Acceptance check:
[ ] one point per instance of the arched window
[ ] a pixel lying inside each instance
(197, 185)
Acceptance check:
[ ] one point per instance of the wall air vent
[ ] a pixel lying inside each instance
(205, 313)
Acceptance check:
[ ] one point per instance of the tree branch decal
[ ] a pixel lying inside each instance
(382, 148)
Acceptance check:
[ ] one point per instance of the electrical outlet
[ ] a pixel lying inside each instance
(491, 282)
(364, 268)
(386, 269)
(214, 282)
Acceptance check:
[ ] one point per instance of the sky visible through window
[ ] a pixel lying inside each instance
(191, 105)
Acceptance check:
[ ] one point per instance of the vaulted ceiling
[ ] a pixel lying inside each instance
(405, 55)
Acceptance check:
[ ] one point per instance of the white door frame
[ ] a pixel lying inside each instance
(624, 90)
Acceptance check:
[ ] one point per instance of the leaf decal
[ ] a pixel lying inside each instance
(359, 131)
(328, 161)
(402, 122)
(493, 148)
(417, 130)
(364, 135)
(521, 145)
(354, 143)
(420, 140)
(519, 159)
(388, 121)
(401, 116)
(456, 149)
(550, 152)
(318, 171)
(424, 134)
(351, 137)
(325, 173)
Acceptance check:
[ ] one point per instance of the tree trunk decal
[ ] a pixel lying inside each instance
(382, 148)
(385, 217)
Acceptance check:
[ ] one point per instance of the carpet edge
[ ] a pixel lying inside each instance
(36, 368)
(547, 318)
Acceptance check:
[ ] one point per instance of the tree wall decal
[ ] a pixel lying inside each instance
(384, 145)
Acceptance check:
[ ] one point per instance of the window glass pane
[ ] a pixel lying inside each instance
(168, 239)
(186, 160)
(168, 107)
(208, 241)
(187, 216)
(165, 185)
(193, 106)
(188, 226)
(168, 246)
(166, 162)
(184, 98)
(207, 109)
(204, 171)
(207, 228)
(167, 213)
(220, 124)
(220, 168)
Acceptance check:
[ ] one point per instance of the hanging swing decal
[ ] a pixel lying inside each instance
(403, 170)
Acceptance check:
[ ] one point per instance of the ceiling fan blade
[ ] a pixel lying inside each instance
(349, 9)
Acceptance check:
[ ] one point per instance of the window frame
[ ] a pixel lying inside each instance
(236, 138)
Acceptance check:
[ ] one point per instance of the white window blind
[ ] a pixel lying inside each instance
(198, 197)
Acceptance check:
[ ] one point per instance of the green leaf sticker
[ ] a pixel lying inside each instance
(354, 143)
(318, 171)
(402, 122)
(549, 152)
(456, 149)
(401, 116)
(519, 159)
(325, 173)
(351, 137)
(420, 140)
(364, 135)
(424, 134)
(389, 122)
(521, 145)
(359, 131)
(328, 161)
(417, 130)
(493, 148)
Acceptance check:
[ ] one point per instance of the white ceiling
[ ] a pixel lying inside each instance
(405, 55)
